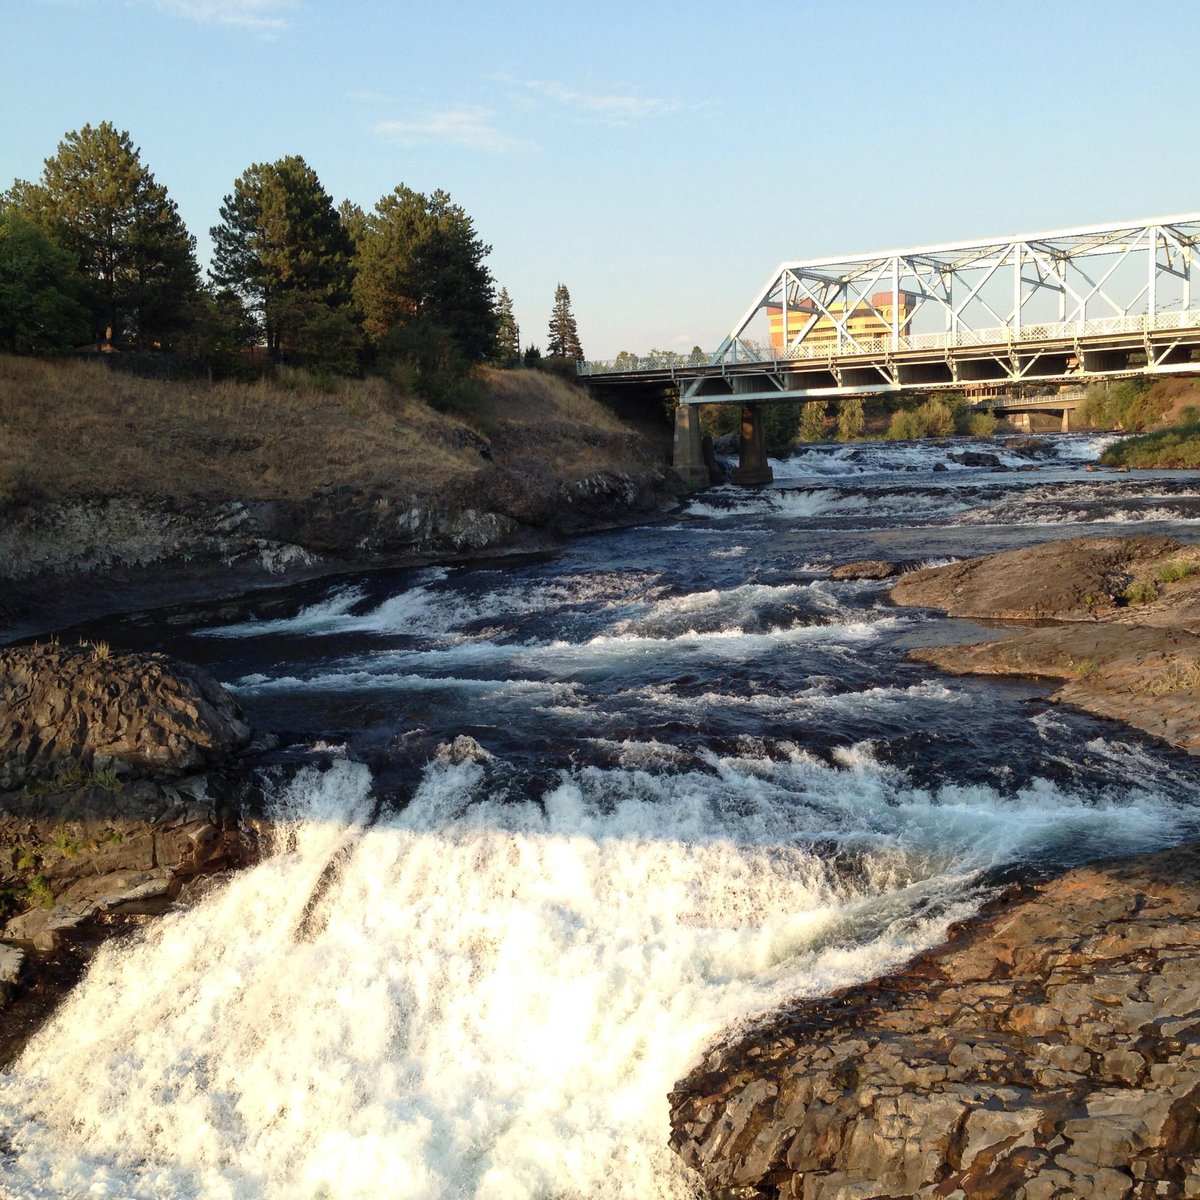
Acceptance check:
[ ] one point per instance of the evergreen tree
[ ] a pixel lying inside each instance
(563, 339)
(812, 421)
(39, 310)
(508, 333)
(420, 262)
(99, 202)
(850, 420)
(282, 247)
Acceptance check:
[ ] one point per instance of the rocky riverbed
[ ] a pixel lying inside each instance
(1050, 1050)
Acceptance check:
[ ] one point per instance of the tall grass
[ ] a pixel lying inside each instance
(77, 429)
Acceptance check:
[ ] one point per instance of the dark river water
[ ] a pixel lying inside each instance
(564, 821)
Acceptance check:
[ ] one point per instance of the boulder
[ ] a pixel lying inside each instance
(870, 568)
(84, 710)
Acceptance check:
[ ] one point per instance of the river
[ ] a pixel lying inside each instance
(560, 822)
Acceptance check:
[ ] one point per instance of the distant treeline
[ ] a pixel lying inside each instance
(95, 253)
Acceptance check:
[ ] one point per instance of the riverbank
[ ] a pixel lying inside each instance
(1048, 1050)
(118, 492)
(124, 780)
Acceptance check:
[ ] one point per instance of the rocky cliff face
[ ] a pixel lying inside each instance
(64, 561)
(1050, 1050)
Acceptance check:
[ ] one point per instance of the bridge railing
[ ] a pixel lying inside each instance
(662, 361)
(1002, 337)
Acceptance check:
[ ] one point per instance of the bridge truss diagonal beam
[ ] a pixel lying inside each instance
(1069, 303)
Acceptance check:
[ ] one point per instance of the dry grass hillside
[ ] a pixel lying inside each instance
(78, 429)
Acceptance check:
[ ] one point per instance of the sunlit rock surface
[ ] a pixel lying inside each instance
(1119, 625)
(132, 714)
(1050, 1050)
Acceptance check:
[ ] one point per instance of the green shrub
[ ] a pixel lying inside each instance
(1176, 446)
(812, 421)
(1172, 572)
(1141, 591)
(1126, 405)
(904, 425)
(977, 424)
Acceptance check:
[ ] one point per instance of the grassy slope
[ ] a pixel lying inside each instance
(1175, 440)
(75, 430)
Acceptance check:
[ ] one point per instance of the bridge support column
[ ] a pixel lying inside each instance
(753, 470)
(688, 455)
(1066, 421)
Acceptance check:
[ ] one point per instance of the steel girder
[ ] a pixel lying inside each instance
(1030, 306)
(983, 293)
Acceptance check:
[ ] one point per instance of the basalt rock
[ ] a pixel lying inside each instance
(1125, 634)
(1050, 1050)
(1081, 579)
(871, 568)
(84, 710)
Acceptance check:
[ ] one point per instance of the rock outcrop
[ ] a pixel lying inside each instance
(1118, 623)
(869, 568)
(1050, 1050)
(83, 710)
(119, 783)
(135, 551)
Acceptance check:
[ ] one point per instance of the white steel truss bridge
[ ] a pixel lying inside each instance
(1068, 306)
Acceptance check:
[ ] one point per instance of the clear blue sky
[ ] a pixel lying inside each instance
(659, 158)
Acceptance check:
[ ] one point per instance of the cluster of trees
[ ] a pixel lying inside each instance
(95, 251)
(1131, 404)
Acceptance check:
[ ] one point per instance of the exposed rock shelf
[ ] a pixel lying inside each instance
(65, 561)
(1050, 1049)
(1125, 637)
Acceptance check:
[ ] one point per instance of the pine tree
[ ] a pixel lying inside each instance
(420, 263)
(99, 202)
(508, 333)
(282, 247)
(563, 339)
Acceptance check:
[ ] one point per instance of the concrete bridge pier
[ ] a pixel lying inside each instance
(688, 454)
(753, 469)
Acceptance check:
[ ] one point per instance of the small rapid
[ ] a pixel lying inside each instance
(560, 824)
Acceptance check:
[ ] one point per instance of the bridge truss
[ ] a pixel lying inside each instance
(1068, 305)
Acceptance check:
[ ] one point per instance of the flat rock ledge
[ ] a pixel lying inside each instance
(1050, 1050)
(1117, 622)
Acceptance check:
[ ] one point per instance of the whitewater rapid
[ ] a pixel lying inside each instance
(641, 795)
(490, 997)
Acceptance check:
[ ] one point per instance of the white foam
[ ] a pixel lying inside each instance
(490, 999)
(427, 610)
